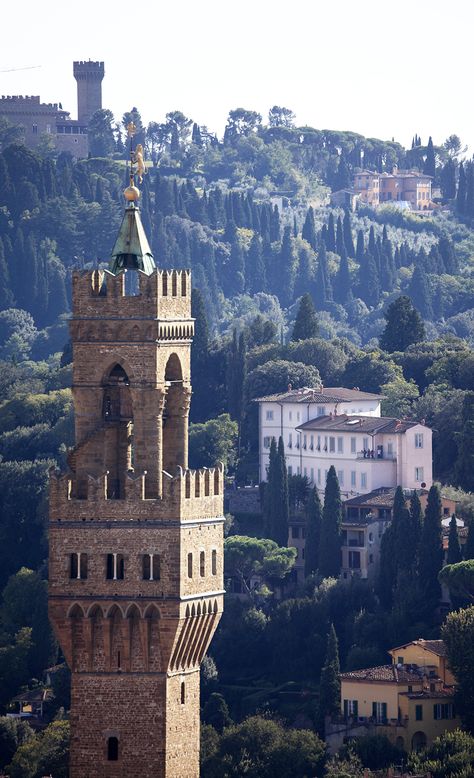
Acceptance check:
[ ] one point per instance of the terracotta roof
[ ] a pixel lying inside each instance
(356, 423)
(320, 396)
(385, 673)
(435, 646)
(424, 694)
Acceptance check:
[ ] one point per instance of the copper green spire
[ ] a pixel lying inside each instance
(132, 250)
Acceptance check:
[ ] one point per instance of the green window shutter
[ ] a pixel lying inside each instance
(384, 711)
(355, 706)
(374, 710)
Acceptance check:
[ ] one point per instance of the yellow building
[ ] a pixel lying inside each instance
(410, 701)
(407, 186)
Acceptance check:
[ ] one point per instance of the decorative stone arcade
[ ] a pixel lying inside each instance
(136, 539)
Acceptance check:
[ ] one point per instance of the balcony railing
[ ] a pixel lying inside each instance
(376, 456)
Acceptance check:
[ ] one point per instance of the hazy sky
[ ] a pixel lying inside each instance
(384, 69)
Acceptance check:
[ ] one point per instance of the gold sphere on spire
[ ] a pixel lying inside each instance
(131, 193)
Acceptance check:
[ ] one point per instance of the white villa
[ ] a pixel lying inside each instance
(343, 427)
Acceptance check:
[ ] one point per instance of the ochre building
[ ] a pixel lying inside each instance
(136, 539)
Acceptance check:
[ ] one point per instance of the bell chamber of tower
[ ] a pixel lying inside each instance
(136, 538)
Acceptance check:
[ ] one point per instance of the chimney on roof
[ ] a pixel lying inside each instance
(422, 421)
(290, 387)
(321, 388)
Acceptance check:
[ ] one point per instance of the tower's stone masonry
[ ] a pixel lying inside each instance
(89, 76)
(136, 539)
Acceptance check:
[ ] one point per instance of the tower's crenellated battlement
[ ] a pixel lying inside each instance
(191, 495)
(165, 294)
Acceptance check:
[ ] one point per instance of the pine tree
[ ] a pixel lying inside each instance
(454, 548)
(404, 326)
(431, 551)
(330, 544)
(309, 230)
(420, 293)
(330, 684)
(464, 466)
(314, 518)
(306, 324)
(462, 190)
(348, 239)
(429, 168)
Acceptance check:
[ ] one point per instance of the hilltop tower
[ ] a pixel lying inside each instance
(89, 77)
(136, 539)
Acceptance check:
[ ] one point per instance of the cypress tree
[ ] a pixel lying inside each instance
(295, 227)
(464, 466)
(309, 230)
(343, 178)
(462, 190)
(285, 275)
(420, 293)
(348, 239)
(371, 244)
(369, 282)
(469, 207)
(448, 255)
(6, 296)
(342, 282)
(339, 237)
(256, 274)
(387, 568)
(269, 501)
(275, 224)
(305, 275)
(454, 549)
(360, 250)
(448, 180)
(236, 374)
(469, 546)
(431, 551)
(281, 514)
(330, 544)
(196, 136)
(306, 324)
(330, 684)
(236, 284)
(57, 297)
(314, 518)
(430, 161)
(199, 358)
(331, 234)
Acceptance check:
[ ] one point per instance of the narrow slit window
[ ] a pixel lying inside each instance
(112, 749)
(202, 564)
(190, 565)
(214, 562)
(183, 693)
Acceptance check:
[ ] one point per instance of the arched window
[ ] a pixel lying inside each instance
(214, 562)
(112, 749)
(202, 564)
(78, 566)
(183, 693)
(151, 567)
(190, 565)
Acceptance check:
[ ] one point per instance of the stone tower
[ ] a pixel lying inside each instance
(89, 77)
(136, 539)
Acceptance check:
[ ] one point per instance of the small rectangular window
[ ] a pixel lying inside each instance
(290, 470)
(419, 712)
(363, 480)
(319, 475)
(418, 440)
(419, 474)
(115, 570)
(321, 410)
(83, 566)
(340, 445)
(290, 415)
(353, 445)
(202, 564)
(365, 444)
(190, 565)
(266, 442)
(332, 445)
(214, 562)
(353, 478)
(269, 415)
(74, 566)
(312, 475)
(340, 477)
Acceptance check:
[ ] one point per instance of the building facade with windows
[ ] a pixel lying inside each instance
(411, 700)
(407, 186)
(136, 539)
(343, 427)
